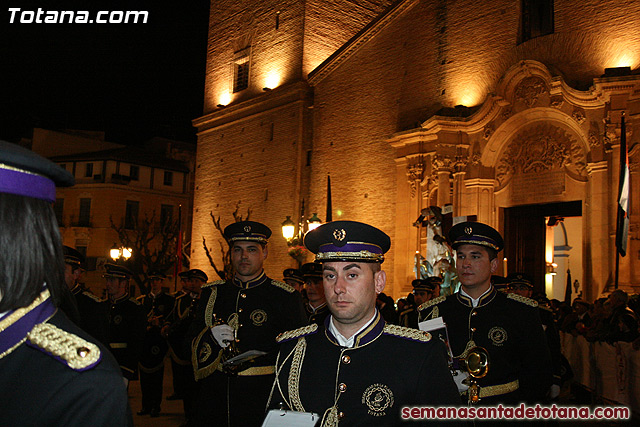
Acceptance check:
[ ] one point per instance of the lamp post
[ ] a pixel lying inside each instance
(120, 252)
(294, 240)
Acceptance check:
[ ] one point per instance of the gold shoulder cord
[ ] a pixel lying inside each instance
(208, 314)
(301, 343)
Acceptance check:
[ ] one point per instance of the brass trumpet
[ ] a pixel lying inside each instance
(477, 364)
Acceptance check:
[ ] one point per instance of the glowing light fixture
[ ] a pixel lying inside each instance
(314, 222)
(272, 81)
(288, 228)
(225, 99)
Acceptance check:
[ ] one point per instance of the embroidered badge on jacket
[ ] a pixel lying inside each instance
(258, 317)
(377, 397)
(498, 336)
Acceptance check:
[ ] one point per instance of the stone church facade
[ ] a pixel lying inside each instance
(502, 109)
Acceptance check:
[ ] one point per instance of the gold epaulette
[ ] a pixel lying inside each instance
(297, 333)
(523, 300)
(284, 286)
(92, 296)
(409, 333)
(431, 302)
(72, 350)
(214, 283)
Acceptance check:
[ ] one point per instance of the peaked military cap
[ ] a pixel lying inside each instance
(73, 257)
(428, 284)
(247, 231)
(312, 269)
(156, 275)
(293, 274)
(347, 241)
(198, 274)
(519, 279)
(475, 233)
(499, 282)
(116, 271)
(25, 173)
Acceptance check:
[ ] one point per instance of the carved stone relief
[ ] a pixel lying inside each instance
(557, 103)
(578, 116)
(414, 176)
(594, 139)
(488, 131)
(441, 162)
(540, 148)
(529, 90)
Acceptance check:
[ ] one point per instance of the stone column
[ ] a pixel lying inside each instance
(598, 268)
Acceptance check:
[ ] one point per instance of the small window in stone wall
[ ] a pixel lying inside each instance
(241, 70)
(536, 19)
(134, 172)
(168, 178)
(88, 171)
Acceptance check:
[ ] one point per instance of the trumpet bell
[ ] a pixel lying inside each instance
(477, 362)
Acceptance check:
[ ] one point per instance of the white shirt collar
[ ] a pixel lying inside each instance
(348, 342)
(474, 301)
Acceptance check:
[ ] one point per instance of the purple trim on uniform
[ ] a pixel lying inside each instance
(26, 184)
(21, 327)
(350, 247)
(371, 332)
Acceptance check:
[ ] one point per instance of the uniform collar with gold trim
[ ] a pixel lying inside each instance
(311, 310)
(372, 331)
(262, 278)
(16, 324)
(484, 299)
(77, 289)
(119, 300)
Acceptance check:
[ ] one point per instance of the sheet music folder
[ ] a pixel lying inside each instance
(282, 418)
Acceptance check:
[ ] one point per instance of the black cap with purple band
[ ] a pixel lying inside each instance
(25, 173)
(347, 241)
(475, 233)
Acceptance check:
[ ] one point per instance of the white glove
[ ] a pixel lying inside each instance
(223, 334)
(458, 379)
(126, 382)
(554, 391)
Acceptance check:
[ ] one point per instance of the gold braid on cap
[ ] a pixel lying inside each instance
(364, 255)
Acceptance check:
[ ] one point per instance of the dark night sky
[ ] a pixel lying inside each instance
(134, 81)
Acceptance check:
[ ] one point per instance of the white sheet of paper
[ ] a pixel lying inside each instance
(431, 325)
(282, 418)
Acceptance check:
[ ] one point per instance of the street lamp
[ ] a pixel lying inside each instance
(116, 252)
(288, 228)
(314, 222)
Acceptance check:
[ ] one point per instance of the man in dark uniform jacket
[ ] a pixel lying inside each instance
(423, 291)
(293, 277)
(522, 284)
(91, 309)
(507, 327)
(179, 309)
(337, 369)
(127, 321)
(254, 309)
(179, 321)
(53, 373)
(157, 305)
(316, 305)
